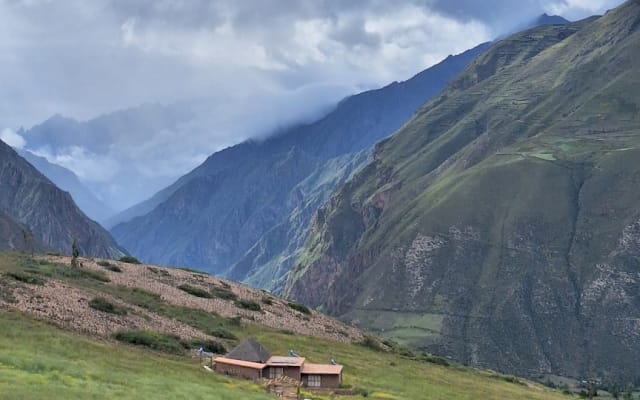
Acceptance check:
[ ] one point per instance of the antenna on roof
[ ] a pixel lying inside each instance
(293, 353)
(333, 361)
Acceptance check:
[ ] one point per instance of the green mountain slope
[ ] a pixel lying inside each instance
(29, 198)
(500, 226)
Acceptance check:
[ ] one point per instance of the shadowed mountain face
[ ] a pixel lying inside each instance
(501, 225)
(69, 182)
(15, 236)
(246, 209)
(30, 200)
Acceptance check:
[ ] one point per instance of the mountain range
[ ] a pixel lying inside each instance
(485, 210)
(37, 215)
(500, 226)
(244, 212)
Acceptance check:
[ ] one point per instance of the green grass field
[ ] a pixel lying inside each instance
(39, 361)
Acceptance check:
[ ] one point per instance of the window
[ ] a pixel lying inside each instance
(275, 372)
(314, 381)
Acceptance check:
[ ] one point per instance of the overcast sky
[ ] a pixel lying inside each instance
(259, 62)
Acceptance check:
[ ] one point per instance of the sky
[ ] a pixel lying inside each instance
(251, 65)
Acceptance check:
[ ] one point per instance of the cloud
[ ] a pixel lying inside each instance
(12, 138)
(575, 9)
(240, 68)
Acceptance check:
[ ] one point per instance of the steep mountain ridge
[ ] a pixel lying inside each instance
(499, 225)
(68, 181)
(246, 209)
(28, 197)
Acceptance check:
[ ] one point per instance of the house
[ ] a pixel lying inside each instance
(250, 360)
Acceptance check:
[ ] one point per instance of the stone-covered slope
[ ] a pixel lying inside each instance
(29, 198)
(501, 225)
(246, 209)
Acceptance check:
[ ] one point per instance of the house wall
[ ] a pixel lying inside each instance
(327, 381)
(234, 370)
(291, 372)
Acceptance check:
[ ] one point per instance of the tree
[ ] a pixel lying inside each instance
(75, 253)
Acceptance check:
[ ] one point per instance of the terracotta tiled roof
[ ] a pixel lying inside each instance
(279, 361)
(321, 369)
(239, 363)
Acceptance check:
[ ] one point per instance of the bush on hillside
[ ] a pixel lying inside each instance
(153, 340)
(195, 291)
(107, 265)
(130, 260)
(371, 343)
(300, 307)
(104, 305)
(267, 300)
(248, 305)
(209, 346)
(223, 293)
(26, 278)
(435, 360)
(193, 270)
(223, 334)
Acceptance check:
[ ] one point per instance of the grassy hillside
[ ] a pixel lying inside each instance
(500, 226)
(70, 351)
(39, 361)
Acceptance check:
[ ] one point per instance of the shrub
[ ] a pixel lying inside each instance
(235, 321)
(299, 307)
(371, 343)
(104, 305)
(223, 293)
(223, 334)
(143, 298)
(195, 291)
(389, 343)
(107, 265)
(193, 271)
(406, 352)
(267, 300)
(87, 274)
(248, 305)
(209, 346)
(153, 340)
(27, 278)
(130, 260)
(158, 271)
(435, 360)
